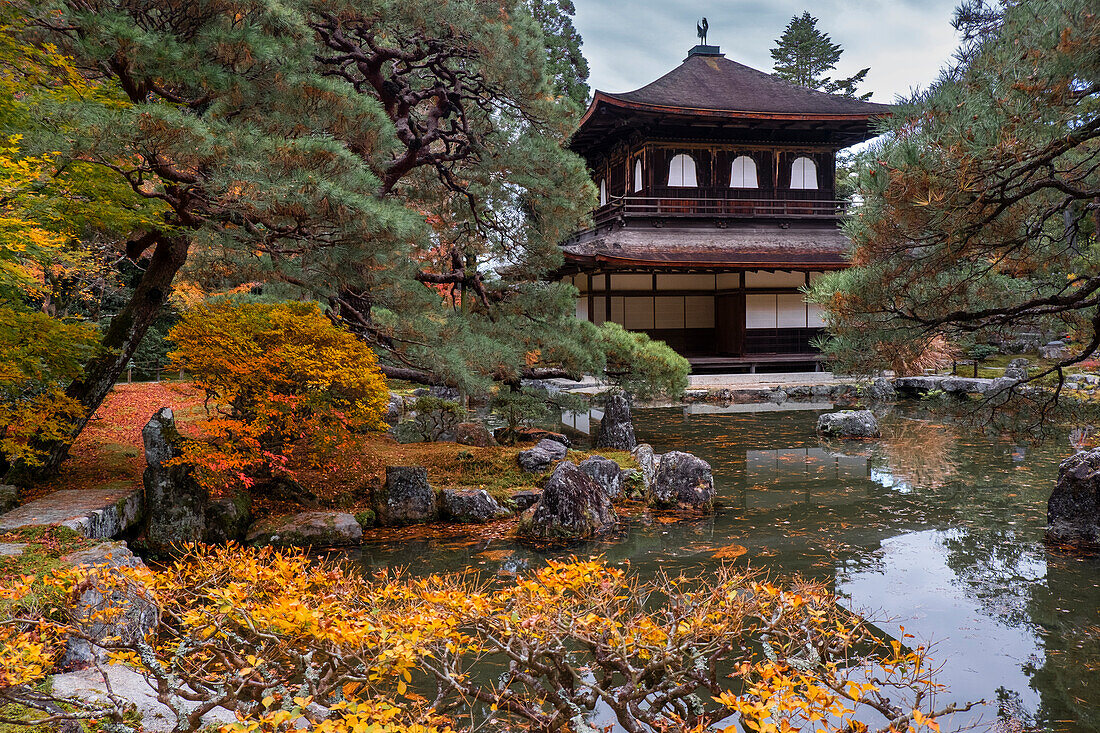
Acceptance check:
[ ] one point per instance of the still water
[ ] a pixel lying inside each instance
(937, 527)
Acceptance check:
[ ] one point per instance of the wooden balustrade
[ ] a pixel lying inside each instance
(733, 207)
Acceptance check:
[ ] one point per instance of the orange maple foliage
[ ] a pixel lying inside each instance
(276, 378)
(288, 642)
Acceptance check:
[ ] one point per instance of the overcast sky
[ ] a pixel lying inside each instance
(630, 43)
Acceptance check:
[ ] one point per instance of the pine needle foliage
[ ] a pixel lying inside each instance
(978, 215)
(803, 55)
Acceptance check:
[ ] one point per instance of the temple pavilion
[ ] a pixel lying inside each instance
(718, 202)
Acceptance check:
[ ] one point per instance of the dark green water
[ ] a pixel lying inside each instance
(937, 527)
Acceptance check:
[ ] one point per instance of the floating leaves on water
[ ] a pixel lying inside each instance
(729, 552)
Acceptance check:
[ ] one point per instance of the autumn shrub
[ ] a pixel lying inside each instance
(286, 641)
(277, 378)
(39, 355)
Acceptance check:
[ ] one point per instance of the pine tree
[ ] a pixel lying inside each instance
(979, 215)
(402, 161)
(804, 55)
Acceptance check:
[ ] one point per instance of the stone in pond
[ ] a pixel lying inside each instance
(648, 460)
(1073, 511)
(308, 529)
(683, 480)
(406, 497)
(606, 473)
(848, 424)
(572, 506)
(474, 506)
(539, 458)
(616, 427)
(880, 390)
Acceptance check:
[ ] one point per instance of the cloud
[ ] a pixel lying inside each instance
(904, 42)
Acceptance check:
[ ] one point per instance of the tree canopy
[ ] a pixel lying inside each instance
(979, 207)
(804, 55)
(403, 163)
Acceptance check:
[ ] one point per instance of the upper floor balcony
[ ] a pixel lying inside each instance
(719, 204)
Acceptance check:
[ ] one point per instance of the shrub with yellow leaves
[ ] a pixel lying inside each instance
(277, 376)
(286, 642)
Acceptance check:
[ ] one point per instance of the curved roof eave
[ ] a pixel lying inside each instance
(614, 101)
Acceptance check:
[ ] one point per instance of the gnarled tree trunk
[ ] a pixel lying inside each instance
(119, 343)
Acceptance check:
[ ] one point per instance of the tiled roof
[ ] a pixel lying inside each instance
(716, 83)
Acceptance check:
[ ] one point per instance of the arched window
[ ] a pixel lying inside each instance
(638, 174)
(803, 173)
(603, 192)
(743, 173)
(681, 171)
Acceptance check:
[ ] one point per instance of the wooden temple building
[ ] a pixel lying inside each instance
(717, 204)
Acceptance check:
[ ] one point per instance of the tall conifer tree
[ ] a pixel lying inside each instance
(804, 55)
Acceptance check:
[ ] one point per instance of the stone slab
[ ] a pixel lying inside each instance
(949, 384)
(96, 513)
(12, 549)
(132, 687)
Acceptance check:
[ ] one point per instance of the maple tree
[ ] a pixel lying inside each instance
(284, 640)
(276, 377)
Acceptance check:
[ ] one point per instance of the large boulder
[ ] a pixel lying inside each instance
(1053, 350)
(524, 499)
(475, 434)
(474, 506)
(880, 390)
(1073, 511)
(9, 498)
(682, 480)
(848, 424)
(175, 504)
(395, 408)
(1017, 369)
(308, 529)
(572, 506)
(606, 473)
(406, 498)
(109, 607)
(616, 428)
(227, 519)
(539, 458)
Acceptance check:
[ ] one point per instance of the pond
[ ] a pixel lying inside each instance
(937, 528)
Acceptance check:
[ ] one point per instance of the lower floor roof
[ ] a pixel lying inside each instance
(757, 247)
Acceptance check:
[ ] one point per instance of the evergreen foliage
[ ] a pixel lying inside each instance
(403, 162)
(979, 212)
(804, 55)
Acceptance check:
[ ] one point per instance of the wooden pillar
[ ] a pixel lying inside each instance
(591, 300)
(607, 296)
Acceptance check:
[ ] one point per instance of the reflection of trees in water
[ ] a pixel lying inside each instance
(1067, 609)
(920, 454)
(1019, 581)
(999, 568)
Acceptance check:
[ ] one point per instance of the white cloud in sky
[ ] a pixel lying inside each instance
(905, 42)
